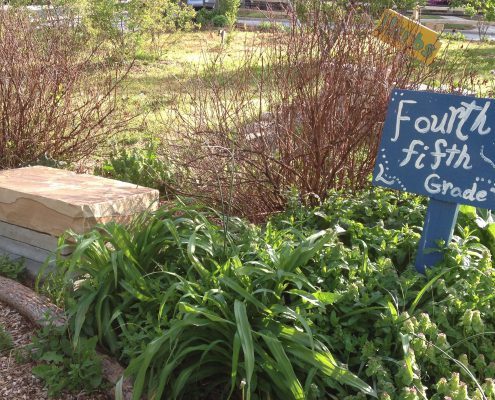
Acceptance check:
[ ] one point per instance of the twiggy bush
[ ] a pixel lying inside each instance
(57, 97)
(303, 111)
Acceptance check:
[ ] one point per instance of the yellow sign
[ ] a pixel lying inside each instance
(399, 31)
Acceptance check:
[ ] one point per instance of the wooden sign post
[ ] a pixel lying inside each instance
(441, 146)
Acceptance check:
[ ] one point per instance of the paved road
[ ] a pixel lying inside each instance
(470, 34)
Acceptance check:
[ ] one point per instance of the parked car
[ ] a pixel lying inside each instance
(201, 3)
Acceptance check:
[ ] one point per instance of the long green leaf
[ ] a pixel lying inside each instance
(82, 310)
(246, 337)
(284, 365)
(425, 288)
(236, 347)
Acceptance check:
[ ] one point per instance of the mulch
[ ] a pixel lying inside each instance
(16, 380)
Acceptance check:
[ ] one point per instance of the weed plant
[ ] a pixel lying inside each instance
(143, 167)
(6, 342)
(64, 366)
(319, 303)
(13, 269)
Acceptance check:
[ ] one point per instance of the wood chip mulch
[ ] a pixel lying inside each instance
(16, 380)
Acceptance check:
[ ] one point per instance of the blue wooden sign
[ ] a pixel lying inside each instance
(441, 146)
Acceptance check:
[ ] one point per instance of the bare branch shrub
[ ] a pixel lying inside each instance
(57, 97)
(303, 110)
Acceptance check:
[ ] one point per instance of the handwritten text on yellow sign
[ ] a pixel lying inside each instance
(402, 32)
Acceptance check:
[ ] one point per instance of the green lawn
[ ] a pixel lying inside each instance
(248, 13)
(459, 27)
(154, 83)
(156, 80)
(477, 56)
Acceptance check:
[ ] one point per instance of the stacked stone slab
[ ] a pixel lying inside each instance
(38, 204)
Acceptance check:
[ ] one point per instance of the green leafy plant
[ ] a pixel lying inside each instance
(149, 21)
(140, 166)
(229, 9)
(6, 342)
(268, 26)
(220, 21)
(482, 10)
(64, 366)
(204, 16)
(13, 269)
(457, 36)
(183, 301)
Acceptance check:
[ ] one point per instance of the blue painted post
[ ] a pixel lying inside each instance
(440, 220)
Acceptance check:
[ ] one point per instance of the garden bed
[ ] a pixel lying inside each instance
(325, 299)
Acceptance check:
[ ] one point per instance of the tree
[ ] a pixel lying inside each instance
(150, 19)
(482, 10)
(126, 22)
(375, 7)
(229, 8)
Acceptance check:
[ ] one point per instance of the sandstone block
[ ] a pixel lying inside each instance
(51, 201)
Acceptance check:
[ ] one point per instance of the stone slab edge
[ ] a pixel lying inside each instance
(28, 236)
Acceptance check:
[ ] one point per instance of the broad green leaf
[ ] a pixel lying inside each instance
(327, 298)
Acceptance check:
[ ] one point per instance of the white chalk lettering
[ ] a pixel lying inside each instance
(465, 112)
(435, 126)
(426, 122)
(401, 118)
(480, 121)
(438, 154)
(410, 152)
(450, 122)
(380, 177)
(453, 151)
(435, 185)
(463, 159)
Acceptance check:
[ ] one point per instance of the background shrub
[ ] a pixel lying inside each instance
(229, 8)
(302, 110)
(58, 98)
(267, 26)
(204, 16)
(220, 21)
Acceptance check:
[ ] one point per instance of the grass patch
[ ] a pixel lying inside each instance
(478, 56)
(247, 13)
(155, 82)
(431, 17)
(460, 27)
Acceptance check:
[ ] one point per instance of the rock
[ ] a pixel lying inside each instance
(51, 201)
